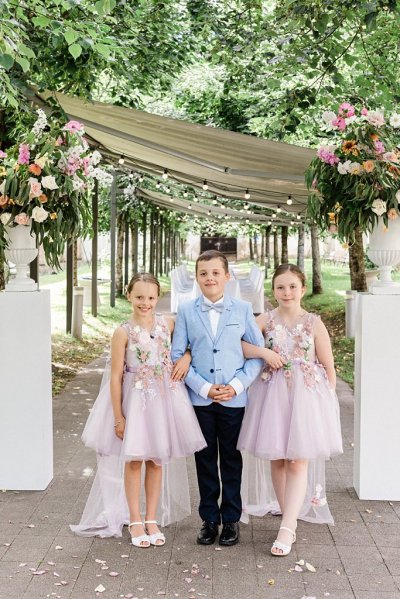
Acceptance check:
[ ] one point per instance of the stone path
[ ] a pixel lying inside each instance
(357, 558)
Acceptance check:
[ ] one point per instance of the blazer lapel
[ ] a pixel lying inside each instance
(225, 317)
(204, 317)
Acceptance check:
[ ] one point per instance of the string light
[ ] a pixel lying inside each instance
(205, 185)
(278, 209)
(195, 199)
(121, 160)
(247, 195)
(185, 193)
(274, 216)
(298, 217)
(158, 184)
(141, 178)
(289, 200)
(215, 201)
(165, 174)
(246, 206)
(168, 189)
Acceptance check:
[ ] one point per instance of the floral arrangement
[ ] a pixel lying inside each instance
(44, 183)
(355, 179)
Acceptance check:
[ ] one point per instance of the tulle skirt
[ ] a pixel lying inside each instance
(160, 423)
(285, 419)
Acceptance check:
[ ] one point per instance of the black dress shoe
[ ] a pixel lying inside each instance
(208, 533)
(229, 534)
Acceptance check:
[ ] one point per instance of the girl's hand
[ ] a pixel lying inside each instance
(181, 367)
(119, 427)
(273, 359)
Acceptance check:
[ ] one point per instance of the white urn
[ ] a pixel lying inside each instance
(384, 251)
(21, 251)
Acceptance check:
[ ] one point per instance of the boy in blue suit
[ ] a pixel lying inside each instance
(213, 326)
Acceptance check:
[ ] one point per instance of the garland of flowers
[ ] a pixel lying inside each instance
(356, 179)
(45, 181)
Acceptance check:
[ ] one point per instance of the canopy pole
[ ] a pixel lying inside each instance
(113, 224)
(95, 221)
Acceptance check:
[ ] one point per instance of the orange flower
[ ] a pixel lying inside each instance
(374, 137)
(369, 166)
(350, 147)
(53, 215)
(392, 214)
(43, 198)
(35, 169)
(332, 217)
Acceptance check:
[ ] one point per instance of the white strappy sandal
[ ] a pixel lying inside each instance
(143, 541)
(282, 546)
(157, 539)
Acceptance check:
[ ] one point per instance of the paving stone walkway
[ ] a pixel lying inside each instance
(357, 558)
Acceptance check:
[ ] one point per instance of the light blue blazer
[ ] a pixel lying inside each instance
(217, 359)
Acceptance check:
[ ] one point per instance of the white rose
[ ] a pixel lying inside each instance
(95, 157)
(328, 116)
(379, 207)
(78, 184)
(5, 218)
(395, 120)
(376, 118)
(49, 182)
(39, 214)
(355, 168)
(343, 167)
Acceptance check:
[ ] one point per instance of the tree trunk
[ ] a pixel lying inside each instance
(267, 250)
(276, 250)
(284, 246)
(356, 263)
(316, 262)
(251, 248)
(134, 248)
(119, 271)
(300, 248)
(75, 263)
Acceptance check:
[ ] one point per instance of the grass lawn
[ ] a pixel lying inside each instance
(69, 354)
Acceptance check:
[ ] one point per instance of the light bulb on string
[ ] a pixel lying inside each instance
(247, 195)
(274, 216)
(270, 222)
(298, 217)
(121, 160)
(168, 189)
(195, 199)
(158, 184)
(289, 200)
(215, 201)
(278, 209)
(165, 174)
(141, 179)
(185, 193)
(246, 206)
(205, 185)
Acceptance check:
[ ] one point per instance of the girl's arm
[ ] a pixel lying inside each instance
(323, 350)
(182, 365)
(118, 346)
(268, 355)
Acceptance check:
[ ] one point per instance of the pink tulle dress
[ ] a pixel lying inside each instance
(160, 426)
(292, 413)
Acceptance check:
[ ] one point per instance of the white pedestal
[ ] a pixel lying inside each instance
(377, 398)
(26, 427)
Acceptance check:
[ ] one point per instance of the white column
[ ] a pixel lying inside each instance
(26, 427)
(377, 397)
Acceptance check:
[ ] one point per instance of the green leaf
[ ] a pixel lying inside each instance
(103, 49)
(26, 51)
(41, 21)
(12, 100)
(24, 63)
(6, 61)
(75, 50)
(71, 35)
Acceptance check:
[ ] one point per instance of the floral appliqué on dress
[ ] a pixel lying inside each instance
(294, 346)
(153, 357)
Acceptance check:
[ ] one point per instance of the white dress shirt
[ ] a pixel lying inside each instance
(214, 320)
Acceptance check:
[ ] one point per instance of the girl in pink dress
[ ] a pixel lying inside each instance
(292, 417)
(142, 414)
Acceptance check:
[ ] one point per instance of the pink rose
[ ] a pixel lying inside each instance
(22, 219)
(364, 111)
(35, 188)
(3, 154)
(346, 110)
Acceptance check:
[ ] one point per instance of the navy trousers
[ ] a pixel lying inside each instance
(220, 426)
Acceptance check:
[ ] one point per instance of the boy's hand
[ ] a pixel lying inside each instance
(224, 393)
(181, 367)
(213, 391)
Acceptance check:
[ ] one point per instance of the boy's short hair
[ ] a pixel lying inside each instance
(210, 255)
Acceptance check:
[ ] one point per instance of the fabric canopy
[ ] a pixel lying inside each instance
(230, 162)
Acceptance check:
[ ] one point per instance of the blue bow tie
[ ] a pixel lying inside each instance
(218, 307)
